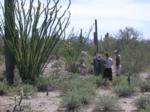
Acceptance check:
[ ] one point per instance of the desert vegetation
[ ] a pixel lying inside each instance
(37, 62)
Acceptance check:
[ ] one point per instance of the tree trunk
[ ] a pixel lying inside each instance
(9, 29)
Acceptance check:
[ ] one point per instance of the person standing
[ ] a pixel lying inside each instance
(118, 63)
(108, 68)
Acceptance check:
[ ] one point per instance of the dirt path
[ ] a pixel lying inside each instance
(40, 103)
(99, 92)
(127, 104)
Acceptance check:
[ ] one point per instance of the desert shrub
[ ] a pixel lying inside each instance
(77, 82)
(78, 92)
(28, 90)
(119, 80)
(53, 81)
(142, 102)
(107, 104)
(25, 89)
(77, 97)
(45, 83)
(1, 77)
(145, 86)
(147, 109)
(105, 83)
(1, 59)
(3, 89)
(97, 80)
(124, 90)
(86, 93)
(72, 52)
(20, 105)
(69, 82)
(71, 101)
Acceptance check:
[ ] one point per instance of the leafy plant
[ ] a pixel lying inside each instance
(147, 109)
(75, 98)
(78, 92)
(121, 80)
(145, 86)
(124, 90)
(74, 45)
(47, 83)
(142, 102)
(72, 101)
(107, 104)
(24, 89)
(20, 106)
(28, 90)
(97, 80)
(3, 89)
(73, 50)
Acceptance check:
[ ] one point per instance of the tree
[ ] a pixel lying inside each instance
(9, 29)
(128, 37)
(131, 51)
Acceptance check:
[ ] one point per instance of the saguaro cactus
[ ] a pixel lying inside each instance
(96, 37)
(9, 29)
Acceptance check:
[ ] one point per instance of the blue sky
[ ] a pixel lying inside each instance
(112, 15)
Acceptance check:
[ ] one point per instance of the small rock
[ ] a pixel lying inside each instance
(125, 102)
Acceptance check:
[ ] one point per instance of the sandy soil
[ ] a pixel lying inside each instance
(39, 103)
(51, 103)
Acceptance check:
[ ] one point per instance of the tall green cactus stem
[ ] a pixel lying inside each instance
(9, 17)
(96, 37)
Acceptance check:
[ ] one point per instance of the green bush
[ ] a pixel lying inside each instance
(86, 93)
(71, 82)
(28, 90)
(105, 83)
(119, 80)
(25, 89)
(54, 82)
(147, 109)
(142, 102)
(3, 89)
(71, 101)
(77, 92)
(107, 104)
(96, 80)
(45, 83)
(145, 86)
(76, 98)
(124, 90)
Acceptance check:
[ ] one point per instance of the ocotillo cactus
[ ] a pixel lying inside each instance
(96, 37)
(35, 42)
